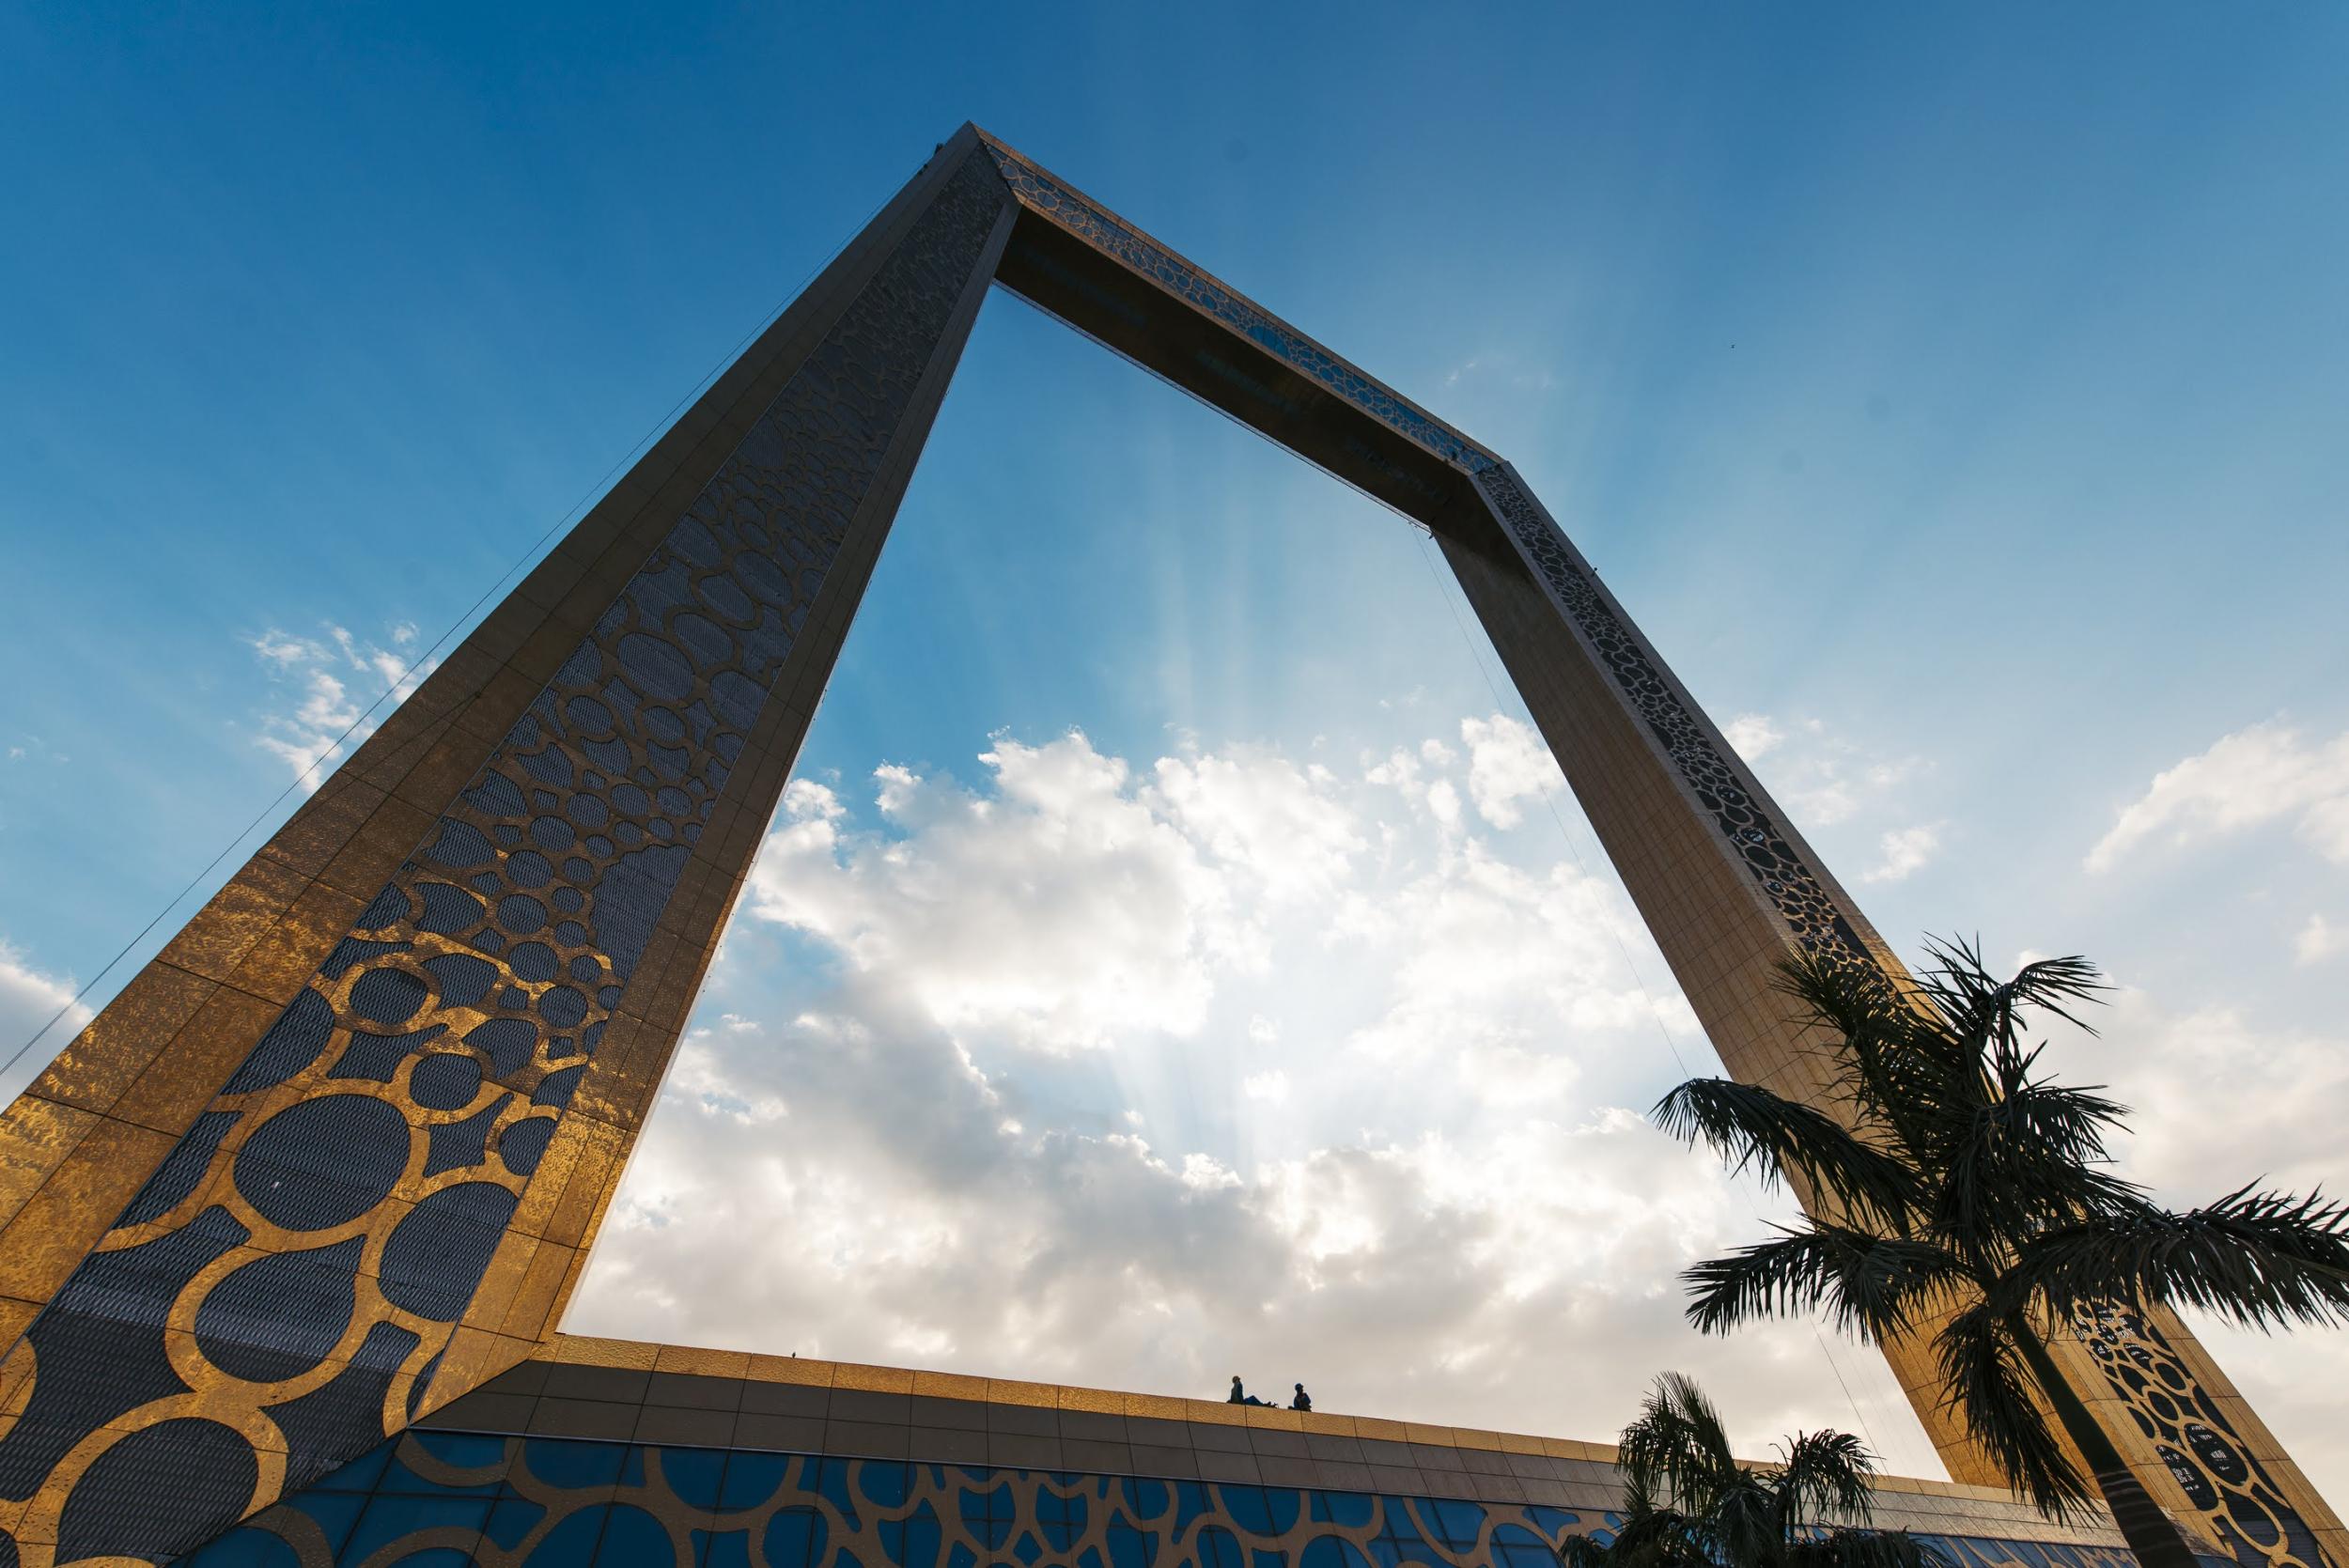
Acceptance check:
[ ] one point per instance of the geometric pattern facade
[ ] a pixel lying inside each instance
(369, 1190)
(276, 1297)
(555, 1502)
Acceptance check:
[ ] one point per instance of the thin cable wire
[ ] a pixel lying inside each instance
(1654, 1008)
(530, 553)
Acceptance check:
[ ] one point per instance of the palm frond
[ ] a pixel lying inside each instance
(2025, 1162)
(1986, 1378)
(1977, 1006)
(1647, 1538)
(1823, 1477)
(1900, 1071)
(1866, 1548)
(1876, 1286)
(1580, 1551)
(1753, 1129)
(2267, 1259)
(1676, 1453)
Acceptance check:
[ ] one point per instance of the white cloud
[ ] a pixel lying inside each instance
(1753, 734)
(1904, 850)
(2217, 1100)
(1277, 824)
(1272, 1086)
(2318, 940)
(2244, 780)
(1068, 906)
(1420, 1191)
(1508, 762)
(28, 999)
(1822, 777)
(326, 716)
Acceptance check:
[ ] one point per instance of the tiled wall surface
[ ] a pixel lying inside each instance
(637, 1465)
(628, 1391)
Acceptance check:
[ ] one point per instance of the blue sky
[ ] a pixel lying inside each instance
(1954, 396)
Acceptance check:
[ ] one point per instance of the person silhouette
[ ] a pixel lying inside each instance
(1303, 1399)
(1241, 1397)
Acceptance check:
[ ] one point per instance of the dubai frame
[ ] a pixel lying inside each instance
(287, 1231)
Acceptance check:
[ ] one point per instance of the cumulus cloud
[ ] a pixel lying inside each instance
(2318, 940)
(1904, 850)
(330, 686)
(1065, 907)
(2217, 1099)
(1508, 762)
(1142, 1076)
(28, 999)
(1754, 735)
(2255, 776)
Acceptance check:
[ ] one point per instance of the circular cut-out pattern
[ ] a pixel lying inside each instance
(322, 1162)
(630, 704)
(445, 1082)
(387, 996)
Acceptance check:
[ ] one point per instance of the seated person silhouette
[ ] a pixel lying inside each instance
(1303, 1399)
(1239, 1397)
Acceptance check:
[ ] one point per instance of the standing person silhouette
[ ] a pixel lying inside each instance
(1303, 1399)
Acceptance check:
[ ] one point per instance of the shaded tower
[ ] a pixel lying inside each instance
(334, 1158)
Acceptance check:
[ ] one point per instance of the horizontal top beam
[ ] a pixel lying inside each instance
(1074, 258)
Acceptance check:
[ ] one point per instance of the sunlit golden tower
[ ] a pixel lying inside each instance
(335, 1157)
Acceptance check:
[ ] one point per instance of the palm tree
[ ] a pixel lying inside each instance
(1964, 1186)
(1689, 1504)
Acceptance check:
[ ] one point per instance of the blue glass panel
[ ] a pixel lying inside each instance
(752, 1478)
(434, 1556)
(1516, 1546)
(1026, 1549)
(1062, 1518)
(1218, 1548)
(884, 1481)
(795, 1539)
(1331, 1551)
(832, 1479)
(1271, 1560)
(1191, 1501)
(961, 1557)
(1455, 1523)
(570, 1543)
(511, 1520)
(1147, 1498)
(723, 1549)
(390, 1516)
(633, 1539)
(1130, 1547)
(570, 1464)
(987, 1515)
(333, 1513)
(1246, 1507)
(1554, 1522)
(246, 1547)
(1398, 1539)
(456, 1450)
(1343, 1508)
(693, 1474)
(359, 1474)
(1090, 1557)
(913, 1542)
